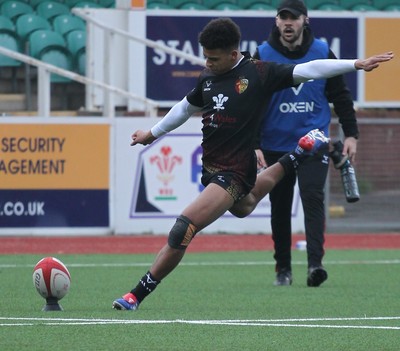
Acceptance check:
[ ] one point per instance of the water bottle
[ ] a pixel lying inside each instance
(347, 172)
(349, 182)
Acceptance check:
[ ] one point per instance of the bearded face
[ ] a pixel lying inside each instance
(290, 28)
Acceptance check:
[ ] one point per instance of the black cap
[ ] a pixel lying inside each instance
(295, 7)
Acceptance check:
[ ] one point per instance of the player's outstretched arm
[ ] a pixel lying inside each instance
(373, 62)
(176, 116)
(326, 68)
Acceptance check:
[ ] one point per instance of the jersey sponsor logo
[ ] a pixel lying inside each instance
(216, 119)
(297, 107)
(208, 85)
(210, 122)
(296, 90)
(219, 101)
(241, 85)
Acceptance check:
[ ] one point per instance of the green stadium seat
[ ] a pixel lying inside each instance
(259, 6)
(9, 41)
(76, 44)
(246, 4)
(43, 40)
(330, 7)
(60, 59)
(186, 4)
(51, 9)
(363, 8)
(155, 5)
(349, 4)
(87, 4)
(106, 3)
(28, 23)
(76, 41)
(166, 2)
(382, 4)
(316, 4)
(176, 4)
(392, 8)
(14, 9)
(273, 3)
(64, 24)
(35, 3)
(212, 4)
(224, 6)
(7, 26)
(50, 47)
(71, 3)
(192, 6)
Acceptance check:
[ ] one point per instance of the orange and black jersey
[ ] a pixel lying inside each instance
(233, 106)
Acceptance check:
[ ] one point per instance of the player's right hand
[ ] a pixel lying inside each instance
(142, 137)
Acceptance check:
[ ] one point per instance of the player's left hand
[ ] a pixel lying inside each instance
(373, 62)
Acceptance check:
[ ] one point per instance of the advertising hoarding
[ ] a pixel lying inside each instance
(154, 183)
(54, 174)
(169, 78)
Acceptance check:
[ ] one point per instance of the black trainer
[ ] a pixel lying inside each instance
(316, 276)
(283, 277)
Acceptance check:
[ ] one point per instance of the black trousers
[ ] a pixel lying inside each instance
(311, 175)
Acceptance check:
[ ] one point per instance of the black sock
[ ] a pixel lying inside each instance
(145, 286)
(289, 162)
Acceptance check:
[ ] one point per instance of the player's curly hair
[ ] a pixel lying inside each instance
(220, 33)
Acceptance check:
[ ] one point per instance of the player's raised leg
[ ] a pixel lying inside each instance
(309, 144)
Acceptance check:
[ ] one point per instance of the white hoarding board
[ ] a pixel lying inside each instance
(155, 183)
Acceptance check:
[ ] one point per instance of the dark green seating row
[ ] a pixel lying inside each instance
(45, 30)
(271, 5)
(70, 3)
(63, 44)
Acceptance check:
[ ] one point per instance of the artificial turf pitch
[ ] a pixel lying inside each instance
(212, 301)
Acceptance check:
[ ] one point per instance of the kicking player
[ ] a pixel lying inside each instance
(232, 93)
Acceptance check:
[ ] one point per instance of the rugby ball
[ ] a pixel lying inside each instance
(51, 278)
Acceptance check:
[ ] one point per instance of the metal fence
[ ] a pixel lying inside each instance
(377, 168)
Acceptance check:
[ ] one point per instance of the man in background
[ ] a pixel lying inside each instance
(292, 41)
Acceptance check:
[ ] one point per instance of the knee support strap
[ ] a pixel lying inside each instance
(181, 233)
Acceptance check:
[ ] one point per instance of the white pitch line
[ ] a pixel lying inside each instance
(286, 320)
(235, 263)
(287, 323)
(329, 319)
(297, 325)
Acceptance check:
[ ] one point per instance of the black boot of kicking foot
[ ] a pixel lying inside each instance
(316, 276)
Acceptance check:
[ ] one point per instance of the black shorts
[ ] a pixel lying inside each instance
(233, 183)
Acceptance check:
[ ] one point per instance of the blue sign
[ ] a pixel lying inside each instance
(54, 208)
(170, 78)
